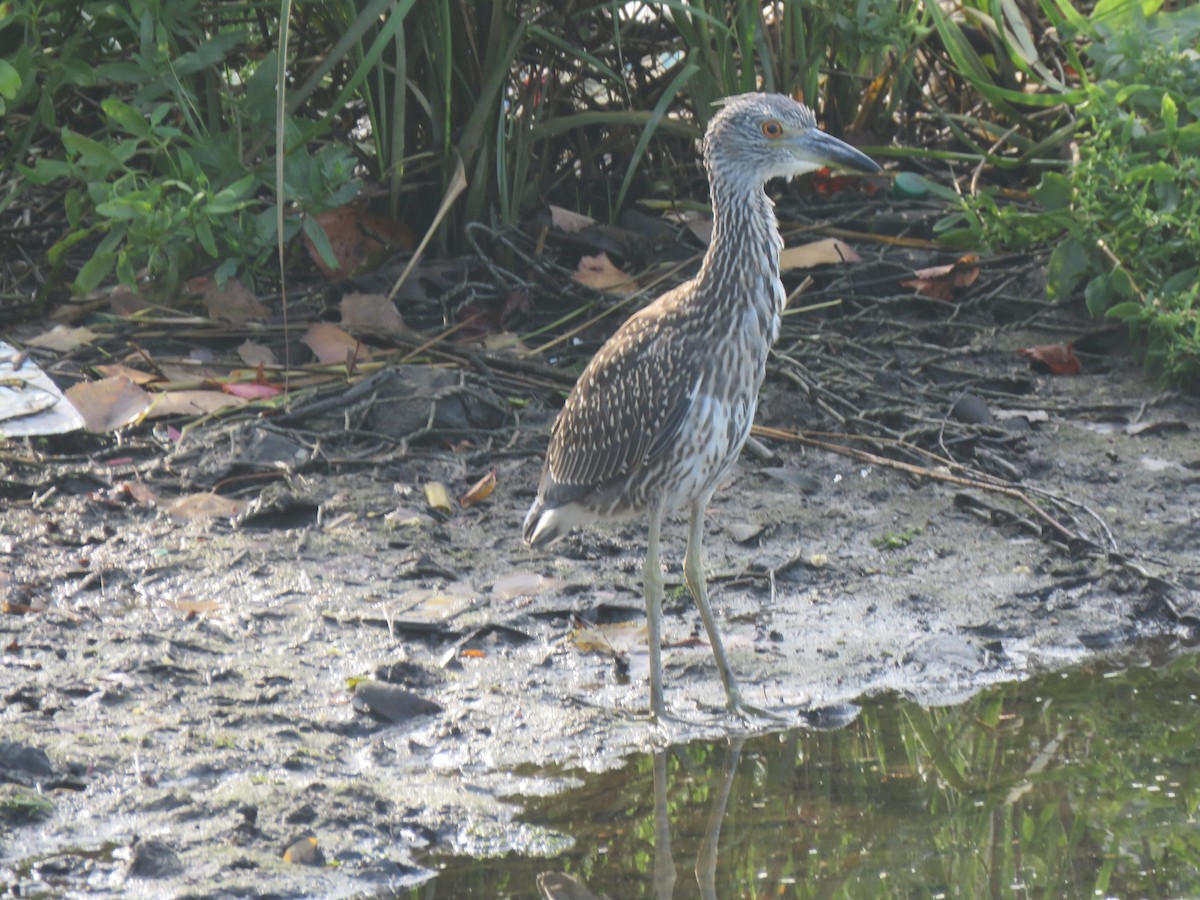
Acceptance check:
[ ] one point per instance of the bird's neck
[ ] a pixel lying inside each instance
(741, 265)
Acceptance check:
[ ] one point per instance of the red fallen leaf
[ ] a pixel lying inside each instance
(252, 391)
(480, 490)
(826, 183)
(940, 282)
(1056, 359)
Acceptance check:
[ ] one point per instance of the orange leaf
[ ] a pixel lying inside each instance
(1056, 359)
(480, 490)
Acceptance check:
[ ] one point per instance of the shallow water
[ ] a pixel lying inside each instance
(1081, 783)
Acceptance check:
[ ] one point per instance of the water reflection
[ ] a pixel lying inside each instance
(1076, 784)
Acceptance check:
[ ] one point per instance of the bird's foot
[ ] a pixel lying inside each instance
(746, 711)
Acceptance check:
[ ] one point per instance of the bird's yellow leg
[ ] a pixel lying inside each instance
(693, 576)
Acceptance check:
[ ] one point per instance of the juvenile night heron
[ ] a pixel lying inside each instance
(659, 416)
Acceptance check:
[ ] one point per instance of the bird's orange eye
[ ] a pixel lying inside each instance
(772, 129)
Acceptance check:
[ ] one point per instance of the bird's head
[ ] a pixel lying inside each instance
(765, 136)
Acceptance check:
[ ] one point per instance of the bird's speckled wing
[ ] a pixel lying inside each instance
(630, 402)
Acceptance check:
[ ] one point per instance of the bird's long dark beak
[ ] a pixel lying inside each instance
(824, 150)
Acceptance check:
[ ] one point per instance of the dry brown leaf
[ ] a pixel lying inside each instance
(108, 404)
(137, 376)
(613, 637)
(333, 345)
(568, 221)
(829, 251)
(373, 313)
(253, 354)
(125, 301)
(63, 338)
(359, 239)
(234, 303)
(1057, 359)
(599, 272)
(205, 505)
(940, 282)
(480, 490)
(191, 403)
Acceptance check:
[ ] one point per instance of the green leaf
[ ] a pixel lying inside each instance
(1068, 265)
(94, 271)
(90, 153)
(125, 116)
(1128, 310)
(205, 236)
(1097, 295)
(316, 234)
(10, 81)
(1170, 115)
(1054, 192)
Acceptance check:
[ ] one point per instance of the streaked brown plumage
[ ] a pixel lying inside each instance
(660, 414)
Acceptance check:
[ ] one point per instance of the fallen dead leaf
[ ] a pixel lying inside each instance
(438, 497)
(373, 313)
(108, 404)
(599, 272)
(191, 403)
(1056, 359)
(505, 341)
(125, 301)
(252, 390)
(826, 183)
(568, 221)
(358, 239)
(333, 345)
(829, 251)
(253, 354)
(613, 637)
(480, 490)
(205, 505)
(63, 338)
(940, 282)
(232, 303)
(137, 376)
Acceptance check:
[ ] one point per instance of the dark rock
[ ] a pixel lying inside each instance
(154, 859)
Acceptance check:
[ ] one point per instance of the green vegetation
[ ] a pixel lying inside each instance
(149, 132)
(1124, 216)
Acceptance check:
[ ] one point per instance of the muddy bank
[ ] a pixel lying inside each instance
(189, 694)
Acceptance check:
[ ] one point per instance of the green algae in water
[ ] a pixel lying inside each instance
(1083, 783)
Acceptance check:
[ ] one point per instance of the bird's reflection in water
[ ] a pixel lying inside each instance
(560, 886)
